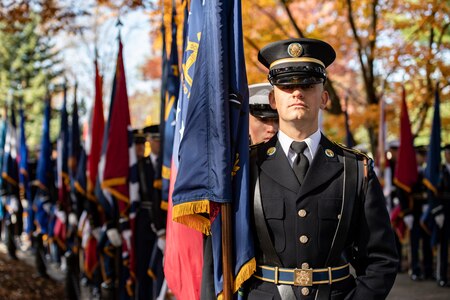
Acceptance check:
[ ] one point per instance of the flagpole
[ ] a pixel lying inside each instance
(226, 210)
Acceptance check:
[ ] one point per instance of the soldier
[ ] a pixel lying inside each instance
(263, 119)
(443, 220)
(414, 205)
(318, 207)
(150, 221)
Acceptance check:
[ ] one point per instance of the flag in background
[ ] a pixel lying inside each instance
(10, 171)
(381, 149)
(25, 192)
(97, 131)
(63, 154)
(116, 168)
(108, 212)
(44, 175)
(164, 72)
(116, 175)
(134, 198)
(171, 100)
(184, 246)
(213, 152)
(432, 170)
(2, 145)
(349, 140)
(63, 181)
(74, 143)
(432, 175)
(406, 172)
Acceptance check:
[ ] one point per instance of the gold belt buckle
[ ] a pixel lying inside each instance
(303, 277)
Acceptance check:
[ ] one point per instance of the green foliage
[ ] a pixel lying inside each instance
(28, 65)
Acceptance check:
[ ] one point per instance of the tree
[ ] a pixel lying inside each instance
(28, 66)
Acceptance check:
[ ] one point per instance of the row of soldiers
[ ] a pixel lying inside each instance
(422, 220)
(79, 239)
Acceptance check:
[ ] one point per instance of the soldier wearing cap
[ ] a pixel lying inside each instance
(150, 219)
(441, 214)
(263, 119)
(317, 206)
(413, 205)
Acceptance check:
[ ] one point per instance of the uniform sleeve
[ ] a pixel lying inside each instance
(376, 259)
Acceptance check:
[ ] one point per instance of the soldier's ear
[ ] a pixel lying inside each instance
(272, 101)
(324, 99)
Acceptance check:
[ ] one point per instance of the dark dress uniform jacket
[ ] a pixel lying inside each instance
(369, 245)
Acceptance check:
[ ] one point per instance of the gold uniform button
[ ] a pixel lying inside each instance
(303, 239)
(302, 213)
(305, 266)
(305, 291)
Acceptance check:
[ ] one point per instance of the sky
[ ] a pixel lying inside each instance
(78, 52)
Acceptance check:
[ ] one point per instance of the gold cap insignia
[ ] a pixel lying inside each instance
(271, 151)
(295, 50)
(329, 153)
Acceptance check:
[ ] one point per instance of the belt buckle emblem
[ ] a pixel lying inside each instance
(303, 277)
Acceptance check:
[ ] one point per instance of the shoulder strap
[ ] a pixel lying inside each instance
(269, 255)
(351, 187)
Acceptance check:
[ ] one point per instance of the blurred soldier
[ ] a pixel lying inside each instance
(317, 206)
(150, 220)
(394, 203)
(443, 220)
(263, 119)
(414, 205)
(13, 214)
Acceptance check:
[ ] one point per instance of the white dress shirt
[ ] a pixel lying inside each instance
(312, 141)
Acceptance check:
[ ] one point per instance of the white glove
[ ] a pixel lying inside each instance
(13, 206)
(114, 237)
(73, 219)
(439, 219)
(96, 232)
(61, 215)
(24, 204)
(161, 243)
(409, 220)
(47, 207)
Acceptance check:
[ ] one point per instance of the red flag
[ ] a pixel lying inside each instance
(98, 126)
(117, 157)
(406, 168)
(183, 254)
(381, 151)
(116, 174)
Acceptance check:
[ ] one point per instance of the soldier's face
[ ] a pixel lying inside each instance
(447, 156)
(262, 130)
(299, 103)
(155, 145)
(140, 150)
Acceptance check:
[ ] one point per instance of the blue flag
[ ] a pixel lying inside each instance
(44, 178)
(171, 100)
(74, 141)
(432, 170)
(432, 174)
(25, 191)
(74, 153)
(213, 154)
(2, 145)
(63, 154)
(349, 141)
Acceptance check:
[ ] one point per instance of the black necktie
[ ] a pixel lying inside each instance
(301, 163)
